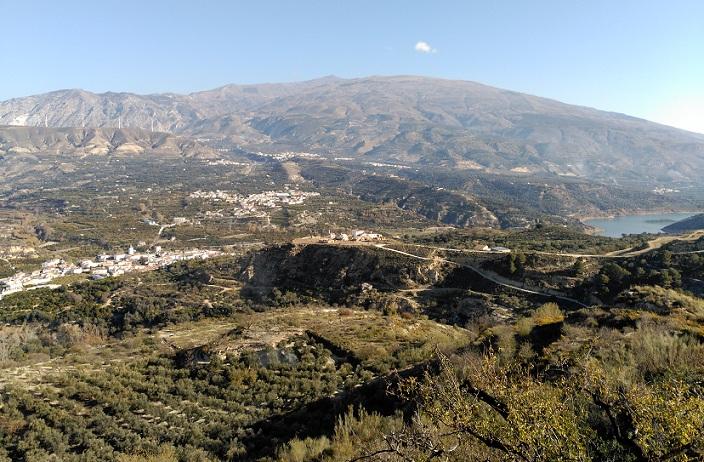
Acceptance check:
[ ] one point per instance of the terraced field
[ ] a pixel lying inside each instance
(205, 386)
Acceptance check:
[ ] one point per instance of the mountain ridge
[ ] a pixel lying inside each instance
(405, 119)
(326, 79)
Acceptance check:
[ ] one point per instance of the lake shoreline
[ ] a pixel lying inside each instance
(583, 218)
(634, 223)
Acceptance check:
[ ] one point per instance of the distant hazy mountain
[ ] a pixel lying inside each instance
(410, 120)
(97, 141)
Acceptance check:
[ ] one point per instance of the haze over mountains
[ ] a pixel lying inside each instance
(402, 119)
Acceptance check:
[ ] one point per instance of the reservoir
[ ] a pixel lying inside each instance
(636, 224)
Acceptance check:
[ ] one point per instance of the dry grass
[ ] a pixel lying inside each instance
(671, 300)
(548, 313)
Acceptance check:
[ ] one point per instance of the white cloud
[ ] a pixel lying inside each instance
(424, 47)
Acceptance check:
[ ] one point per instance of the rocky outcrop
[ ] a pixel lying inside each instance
(334, 272)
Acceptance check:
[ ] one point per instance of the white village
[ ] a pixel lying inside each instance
(251, 206)
(102, 266)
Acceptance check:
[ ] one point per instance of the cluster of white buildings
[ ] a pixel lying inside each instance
(273, 199)
(381, 164)
(356, 235)
(227, 162)
(374, 164)
(663, 191)
(100, 267)
(250, 206)
(216, 196)
(287, 155)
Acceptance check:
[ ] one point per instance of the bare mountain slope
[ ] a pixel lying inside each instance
(414, 120)
(97, 141)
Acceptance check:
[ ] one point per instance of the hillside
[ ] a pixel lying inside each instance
(688, 224)
(326, 353)
(482, 199)
(96, 141)
(405, 119)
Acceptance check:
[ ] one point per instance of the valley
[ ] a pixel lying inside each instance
(392, 268)
(260, 341)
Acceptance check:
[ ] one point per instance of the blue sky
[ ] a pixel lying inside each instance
(644, 58)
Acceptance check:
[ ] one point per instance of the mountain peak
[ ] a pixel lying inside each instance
(402, 119)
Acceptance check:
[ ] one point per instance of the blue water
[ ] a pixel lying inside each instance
(636, 224)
